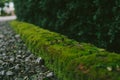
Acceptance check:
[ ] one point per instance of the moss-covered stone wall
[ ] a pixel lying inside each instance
(69, 59)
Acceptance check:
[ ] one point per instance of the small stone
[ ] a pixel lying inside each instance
(17, 36)
(19, 51)
(2, 73)
(4, 54)
(26, 78)
(1, 36)
(1, 61)
(18, 56)
(109, 68)
(38, 60)
(12, 59)
(27, 59)
(50, 74)
(17, 67)
(31, 56)
(9, 73)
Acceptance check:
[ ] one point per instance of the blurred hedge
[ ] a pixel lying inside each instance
(94, 21)
(69, 59)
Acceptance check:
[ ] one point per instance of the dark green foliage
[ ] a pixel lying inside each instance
(94, 21)
(1, 4)
(69, 59)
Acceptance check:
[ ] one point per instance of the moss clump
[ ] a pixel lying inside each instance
(69, 59)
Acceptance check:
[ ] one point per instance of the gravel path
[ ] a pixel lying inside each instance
(7, 18)
(16, 61)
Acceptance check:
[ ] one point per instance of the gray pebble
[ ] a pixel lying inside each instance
(9, 73)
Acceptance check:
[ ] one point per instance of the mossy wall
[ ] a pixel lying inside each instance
(69, 59)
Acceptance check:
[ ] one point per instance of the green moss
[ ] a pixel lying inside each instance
(96, 67)
(69, 59)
